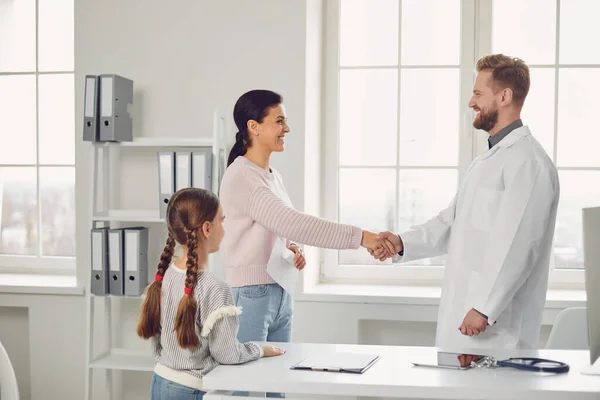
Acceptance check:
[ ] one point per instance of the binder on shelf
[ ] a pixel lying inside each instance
(183, 170)
(99, 279)
(202, 169)
(166, 180)
(116, 103)
(136, 260)
(91, 129)
(115, 261)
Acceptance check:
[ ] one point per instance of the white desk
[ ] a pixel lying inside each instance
(393, 376)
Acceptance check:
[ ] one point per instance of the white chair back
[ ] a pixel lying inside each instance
(9, 390)
(570, 330)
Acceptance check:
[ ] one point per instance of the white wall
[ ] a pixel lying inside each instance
(11, 337)
(186, 59)
(45, 338)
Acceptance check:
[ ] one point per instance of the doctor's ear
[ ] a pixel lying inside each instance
(507, 95)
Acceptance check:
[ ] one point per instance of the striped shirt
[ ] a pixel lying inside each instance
(216, 325)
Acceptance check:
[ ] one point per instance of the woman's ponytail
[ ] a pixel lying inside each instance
(239, 148)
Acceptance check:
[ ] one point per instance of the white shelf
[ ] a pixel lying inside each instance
(130, 216)
(161, 142)
(112, 296)
(124, 359)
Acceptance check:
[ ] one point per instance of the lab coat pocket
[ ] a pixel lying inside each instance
(486, 203)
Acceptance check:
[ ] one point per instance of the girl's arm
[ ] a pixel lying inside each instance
(222, 339)
(220, 326)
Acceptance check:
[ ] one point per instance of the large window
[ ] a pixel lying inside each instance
(37, 156)
(399, 75)
(565, 75)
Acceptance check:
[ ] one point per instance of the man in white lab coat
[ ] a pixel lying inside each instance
(498, 230)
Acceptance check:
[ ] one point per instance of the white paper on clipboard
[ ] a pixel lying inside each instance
(281, 266)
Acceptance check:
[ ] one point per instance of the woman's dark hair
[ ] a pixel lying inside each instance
(188, 209)
(252, 105)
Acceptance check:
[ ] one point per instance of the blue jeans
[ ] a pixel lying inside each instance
(266, 313)
(163, 389)
(266, 316)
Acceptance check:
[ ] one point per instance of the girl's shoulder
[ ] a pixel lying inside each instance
(213, 288)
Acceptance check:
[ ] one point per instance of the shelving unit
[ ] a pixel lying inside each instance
(123, 360)
(113, 358)
(130, 216)
(160, 142)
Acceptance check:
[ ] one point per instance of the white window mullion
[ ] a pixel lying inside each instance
(561, 278)
(398, 108)
(483, 47)
(37, 134)
(467, 134)
(36, 73)
(556, 77)
(331, 61)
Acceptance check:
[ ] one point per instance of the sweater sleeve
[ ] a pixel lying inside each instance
(224, 346)
(266, 208)
(221, 326)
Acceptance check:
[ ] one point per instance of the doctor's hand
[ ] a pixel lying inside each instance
(466, 359)
(473, 324)
(299, 260)
(391, 245)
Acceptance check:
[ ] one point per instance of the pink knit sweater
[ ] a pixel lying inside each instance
(255, 215)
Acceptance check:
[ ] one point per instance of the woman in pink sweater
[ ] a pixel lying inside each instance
(258, 211)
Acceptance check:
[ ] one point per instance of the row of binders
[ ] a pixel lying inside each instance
(119, 261)
(180, 170)
(108, 108)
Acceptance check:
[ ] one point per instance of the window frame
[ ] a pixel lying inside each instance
(38, 263)
(476, 41)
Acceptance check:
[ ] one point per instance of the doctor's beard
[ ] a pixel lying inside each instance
(486, 120)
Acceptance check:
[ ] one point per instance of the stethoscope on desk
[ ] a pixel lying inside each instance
(524, 364)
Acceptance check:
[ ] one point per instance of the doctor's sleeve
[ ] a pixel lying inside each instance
(429, 239)
(527, 211)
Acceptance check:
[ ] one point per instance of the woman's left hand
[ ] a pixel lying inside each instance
(299, 260)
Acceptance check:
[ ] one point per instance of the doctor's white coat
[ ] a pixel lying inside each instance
(497, 234)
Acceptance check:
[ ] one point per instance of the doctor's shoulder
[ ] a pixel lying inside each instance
(532, 164)
(529, 152)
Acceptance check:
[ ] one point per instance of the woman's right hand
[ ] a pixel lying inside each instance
(272, 351)
(369, 240)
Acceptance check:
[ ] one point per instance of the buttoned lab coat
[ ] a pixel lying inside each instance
(497, 234)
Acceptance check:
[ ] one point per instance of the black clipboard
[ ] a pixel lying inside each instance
(338, 362)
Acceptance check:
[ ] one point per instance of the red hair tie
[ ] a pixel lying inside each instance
(158, 277)
(187, 290)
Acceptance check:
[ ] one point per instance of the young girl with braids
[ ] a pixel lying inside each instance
(188, 313)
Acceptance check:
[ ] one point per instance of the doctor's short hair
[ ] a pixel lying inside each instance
(507, 72)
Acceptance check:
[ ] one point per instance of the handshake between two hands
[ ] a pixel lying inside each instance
(382, 245)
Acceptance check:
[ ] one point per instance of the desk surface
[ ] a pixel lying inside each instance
(394, 376)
